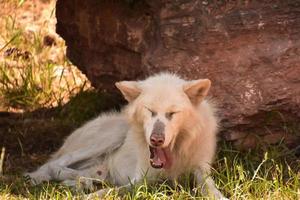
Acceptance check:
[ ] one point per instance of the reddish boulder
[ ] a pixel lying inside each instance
(249, 49)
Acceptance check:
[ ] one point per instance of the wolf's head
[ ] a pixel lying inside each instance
(163, 106)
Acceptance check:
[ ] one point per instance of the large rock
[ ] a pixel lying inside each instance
(249, 49)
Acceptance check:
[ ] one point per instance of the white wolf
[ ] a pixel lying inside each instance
(168, 128)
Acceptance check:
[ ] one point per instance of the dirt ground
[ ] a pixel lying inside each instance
(28, 139)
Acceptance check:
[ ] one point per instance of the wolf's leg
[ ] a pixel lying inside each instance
(70, 177)
(61, 173)
(75, 156)
(80, 178)
(207, 184)
(49, 172)
(46, 171)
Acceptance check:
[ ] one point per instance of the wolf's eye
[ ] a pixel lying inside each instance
(169, 115)
(153, 113)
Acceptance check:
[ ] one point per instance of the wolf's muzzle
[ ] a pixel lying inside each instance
(157, 137)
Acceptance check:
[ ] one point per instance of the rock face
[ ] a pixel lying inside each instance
(250, 51)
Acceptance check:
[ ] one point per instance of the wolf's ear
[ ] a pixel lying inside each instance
(196, 90)
(129, 89)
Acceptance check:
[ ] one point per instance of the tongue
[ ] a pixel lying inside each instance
(160, 158)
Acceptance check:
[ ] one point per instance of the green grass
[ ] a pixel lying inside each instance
(272, 173)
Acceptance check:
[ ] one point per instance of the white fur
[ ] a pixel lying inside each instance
(118, 143)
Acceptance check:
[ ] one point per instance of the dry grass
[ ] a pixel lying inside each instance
(34, 70)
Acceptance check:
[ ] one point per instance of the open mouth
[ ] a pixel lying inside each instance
(160, 157)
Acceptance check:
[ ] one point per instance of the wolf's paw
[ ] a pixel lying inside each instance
(36, 178)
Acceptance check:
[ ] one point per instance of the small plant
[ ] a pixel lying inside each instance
(24, 89)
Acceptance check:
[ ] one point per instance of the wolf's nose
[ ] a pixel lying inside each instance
(157, 139)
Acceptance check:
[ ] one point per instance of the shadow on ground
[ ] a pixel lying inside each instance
(29, 138)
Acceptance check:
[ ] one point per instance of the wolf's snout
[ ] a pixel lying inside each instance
(157, 139)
